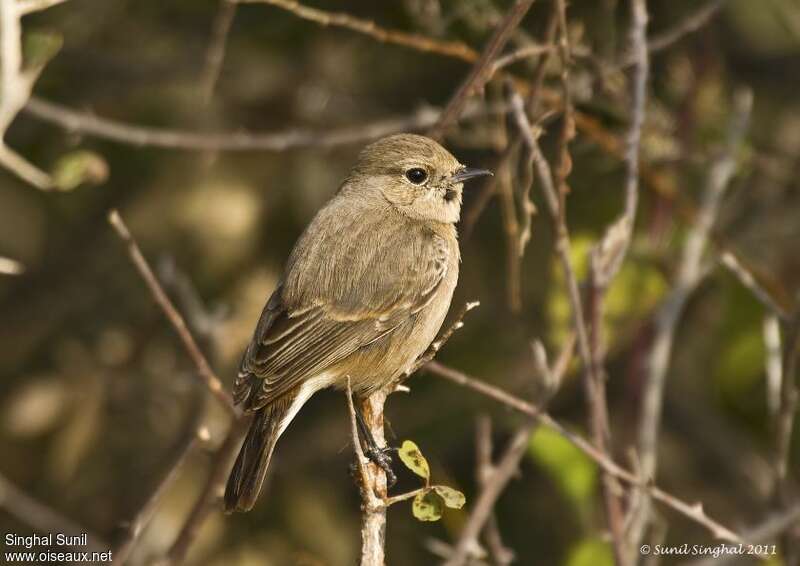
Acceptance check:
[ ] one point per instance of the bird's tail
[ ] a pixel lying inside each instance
(250, 469)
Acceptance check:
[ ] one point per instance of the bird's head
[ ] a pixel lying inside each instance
(415, 174)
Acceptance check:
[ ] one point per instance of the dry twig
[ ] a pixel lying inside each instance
(143, 136)
(481, 71)
(690, 273)
(695, 511)
(204, 371)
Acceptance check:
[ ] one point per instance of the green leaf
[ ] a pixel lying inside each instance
(569, 468)
(79, 167)
(427, 506)
(412, 457)
(452, 498)
(590, 552)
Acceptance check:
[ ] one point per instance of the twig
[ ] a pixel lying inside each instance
(146, 512)
(484, 468)
(367, 27)
(16, 83)
(502, 474)
(751, 283)
(42, 517)
(216, 49)
(694, 511)
(143, 136)
(518, 55)
(373, 482)
(766, 531)
(689, 275)
(481, 70)
(494, 481)
(211, 493)
(511, 227)
(690, 24)
(204, 371)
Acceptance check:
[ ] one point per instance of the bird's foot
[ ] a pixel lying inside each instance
(382, 458)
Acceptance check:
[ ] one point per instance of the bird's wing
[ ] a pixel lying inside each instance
(298, 339)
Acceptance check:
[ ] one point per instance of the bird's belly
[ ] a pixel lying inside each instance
(383, 361)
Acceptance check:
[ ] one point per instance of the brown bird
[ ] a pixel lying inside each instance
(364, 293)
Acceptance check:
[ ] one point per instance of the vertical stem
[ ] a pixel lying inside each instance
(373, 518)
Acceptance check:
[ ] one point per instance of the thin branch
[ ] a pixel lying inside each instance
(760, 534)
(690, 24)
(204, 371)
(695, 511)
(146, 512)
(503, 471)
(518, 55)
(373, 482)
(121, 132)
(481, 70)
(748, 279)
(369, 28)
(210, 494)
(690, 273)
(216, 49)
(484, 469)
(16, 84)
(42, 517)
(494, 481)
(606, 260)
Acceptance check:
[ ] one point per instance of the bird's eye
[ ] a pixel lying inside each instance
(417, 175)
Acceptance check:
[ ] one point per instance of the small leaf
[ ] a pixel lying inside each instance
(427, 506)
(452, 498)
(78, 167)
(412, 457)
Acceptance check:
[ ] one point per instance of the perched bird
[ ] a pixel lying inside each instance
(364, 293)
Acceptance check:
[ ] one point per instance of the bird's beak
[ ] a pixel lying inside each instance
(469, 173)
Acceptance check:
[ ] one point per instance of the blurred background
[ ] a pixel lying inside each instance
(97, 394)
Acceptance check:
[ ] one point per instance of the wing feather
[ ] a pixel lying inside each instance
(301, 334)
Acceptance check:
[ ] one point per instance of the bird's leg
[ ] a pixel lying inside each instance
(381, 457)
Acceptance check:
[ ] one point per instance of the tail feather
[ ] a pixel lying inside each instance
(250, 469)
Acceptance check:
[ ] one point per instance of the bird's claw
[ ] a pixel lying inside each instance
(382, 458)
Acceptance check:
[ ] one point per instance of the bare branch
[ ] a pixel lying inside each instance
(369, 28)
(216, 49)
(481, 70)
(690, 273)
(373, 482)
(694, 512)
(204, 371)
(211, 493)
(503, 471)
(121, 132)
(748, 279)
(15, 89)
(690, 24)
